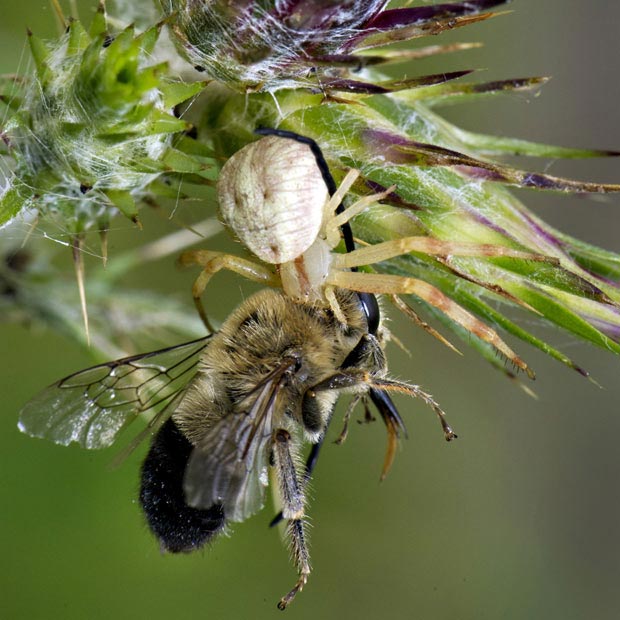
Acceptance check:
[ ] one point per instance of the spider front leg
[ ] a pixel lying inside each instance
(379, 252)
(293, 506)
(337, 217)
(211, 263)
(378, 283)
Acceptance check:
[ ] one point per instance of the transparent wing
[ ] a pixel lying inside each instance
(92, 406)
(229, 465)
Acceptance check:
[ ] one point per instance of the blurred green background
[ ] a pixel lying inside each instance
(517, 519)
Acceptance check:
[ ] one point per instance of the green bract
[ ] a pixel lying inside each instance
(446, 185)
(93, 128)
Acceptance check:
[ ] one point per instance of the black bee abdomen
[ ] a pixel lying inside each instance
(177, 526)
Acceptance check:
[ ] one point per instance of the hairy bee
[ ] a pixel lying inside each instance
(226, 409)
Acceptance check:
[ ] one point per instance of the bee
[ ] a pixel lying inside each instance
(225, 409)
(280, 199)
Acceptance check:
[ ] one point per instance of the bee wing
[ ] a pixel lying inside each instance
(92, 406)
(229, 465)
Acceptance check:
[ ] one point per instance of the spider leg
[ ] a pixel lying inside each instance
(334, 205)
(337, 220)
(433, 247)
(410, 313)
(395, 285)
(211, 263)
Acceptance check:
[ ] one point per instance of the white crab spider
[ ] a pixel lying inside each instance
(273, 195)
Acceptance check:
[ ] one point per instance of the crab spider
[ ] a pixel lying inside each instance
(279, 198)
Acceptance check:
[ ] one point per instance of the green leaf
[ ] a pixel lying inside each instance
(124, 201)
(376, 38)
(11, 203)
(12, 102)
(78, 38)
(193, 147)
(99, 25)
(555, 307)
(499, 319)
(148, 39)
(178, 161)
(498, 145)
(162, 122)
(591, 258)
(177, 92)
(40, 54)
(446, 94)
(147, 165)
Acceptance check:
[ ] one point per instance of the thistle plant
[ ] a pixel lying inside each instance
(93, 132)
(103, 128)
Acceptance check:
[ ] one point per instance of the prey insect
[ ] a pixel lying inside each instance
(225, 409)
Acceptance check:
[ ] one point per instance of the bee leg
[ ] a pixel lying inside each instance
(293, 501)
(393, 422)
(311, 461)
(302, 561)
(391, 418)
(381, 385)
(211, 263)
(313, 457)
(347, 417)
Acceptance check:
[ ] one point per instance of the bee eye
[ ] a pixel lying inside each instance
(371, 310)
